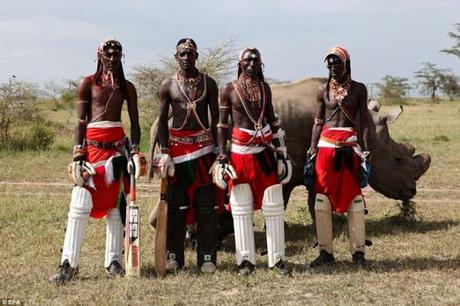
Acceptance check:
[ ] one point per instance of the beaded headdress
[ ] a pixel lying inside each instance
(109, 45)
(186, 45)
(255, 53)
(339, 51)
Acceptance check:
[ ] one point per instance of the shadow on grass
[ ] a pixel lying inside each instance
(395, 225)
(379, 266)
(374, 228)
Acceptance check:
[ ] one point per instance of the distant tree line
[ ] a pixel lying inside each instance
(430, 79)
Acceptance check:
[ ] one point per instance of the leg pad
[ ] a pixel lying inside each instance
(323, 214)
(242, 210)
(273, 210)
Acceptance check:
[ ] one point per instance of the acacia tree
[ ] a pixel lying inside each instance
(16, 104)
(454, 50)
(218, 62)
(429, 79)
(450, 85)
(393, 88)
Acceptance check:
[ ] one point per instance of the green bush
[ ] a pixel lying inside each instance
(37, 137)
(40, 137)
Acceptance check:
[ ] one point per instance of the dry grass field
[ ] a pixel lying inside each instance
(413, 263)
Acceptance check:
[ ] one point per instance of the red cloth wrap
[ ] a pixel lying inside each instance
(241, 137)
(202, 176)
(104, 197)
(249, 170)
(340, 186)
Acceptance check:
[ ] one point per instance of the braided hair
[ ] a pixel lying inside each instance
(100, 68)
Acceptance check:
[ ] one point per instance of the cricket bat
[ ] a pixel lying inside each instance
(161, 228)
(132, 258)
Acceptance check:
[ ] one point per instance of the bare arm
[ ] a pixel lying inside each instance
(83, 109)
(165, 101)
(133, 115)
(319, 118)
(270, 114)
(363, 120)
(213, 93)
(225, 108)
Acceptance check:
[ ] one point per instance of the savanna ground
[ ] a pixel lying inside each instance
(413, 262)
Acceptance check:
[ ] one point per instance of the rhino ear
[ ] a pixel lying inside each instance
(373, 105)
(392, 116)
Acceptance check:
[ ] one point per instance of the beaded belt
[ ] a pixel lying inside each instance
(106, 145)
(199, 139)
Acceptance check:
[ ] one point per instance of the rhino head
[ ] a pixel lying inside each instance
(395, 167)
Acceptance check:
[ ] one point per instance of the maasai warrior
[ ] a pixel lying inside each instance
(257, 165)
(187, 154)
(338, 145)
(100, 159)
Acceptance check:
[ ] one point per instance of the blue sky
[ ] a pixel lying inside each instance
(54, 40)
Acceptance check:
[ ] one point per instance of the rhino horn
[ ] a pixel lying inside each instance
(373, 105)
(423, 162)
(409, 148)
(392, 116)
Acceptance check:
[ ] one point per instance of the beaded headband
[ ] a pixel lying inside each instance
(109, 45)
(255, 53)
(341, 52)
(186, 45)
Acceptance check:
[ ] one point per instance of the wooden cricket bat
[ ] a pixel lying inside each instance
(161, 228)
(132, 256)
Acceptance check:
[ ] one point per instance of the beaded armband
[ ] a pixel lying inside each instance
(223, 125)
(81, 121)
(319, 121)
(276, 123)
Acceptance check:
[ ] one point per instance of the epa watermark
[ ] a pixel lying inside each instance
(10, 301)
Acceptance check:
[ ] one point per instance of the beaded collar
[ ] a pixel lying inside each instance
(340, 91)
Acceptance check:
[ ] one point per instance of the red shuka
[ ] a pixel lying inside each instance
(342, 185)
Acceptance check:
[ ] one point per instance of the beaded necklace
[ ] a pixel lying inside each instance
(184, 97)
(340, 91)
(255, 92)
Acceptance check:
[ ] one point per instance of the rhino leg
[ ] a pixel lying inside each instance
(287, 189)
(311, 205)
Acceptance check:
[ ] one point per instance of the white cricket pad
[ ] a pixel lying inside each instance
(80, 207)
(114, 238)
(273, 210)
(323, 216)
(356, 225)
(242, 210)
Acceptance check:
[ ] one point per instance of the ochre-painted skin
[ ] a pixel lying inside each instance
(170, 96)
(355, 103)
(231, 105)
(105, 104)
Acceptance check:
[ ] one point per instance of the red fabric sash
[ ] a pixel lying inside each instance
(241, 137)
(111, 134)
(340, 186)
(179, 149)
(104, 197)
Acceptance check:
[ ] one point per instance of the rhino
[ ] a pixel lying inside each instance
(395, 168)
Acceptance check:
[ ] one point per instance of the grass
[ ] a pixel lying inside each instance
(414, 262)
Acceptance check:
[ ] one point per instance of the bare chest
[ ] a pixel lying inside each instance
(101, 97)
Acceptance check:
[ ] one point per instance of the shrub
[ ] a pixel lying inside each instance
(37, 137)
